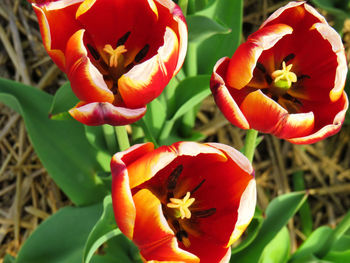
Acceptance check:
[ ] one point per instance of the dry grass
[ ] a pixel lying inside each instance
(28, 195)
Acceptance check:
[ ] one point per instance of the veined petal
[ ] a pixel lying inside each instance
(152, 233)
(55, 35)
(86, 81)
(243, 62)
(146, 81)
(223, 98)
(263, 113)
(98, 113)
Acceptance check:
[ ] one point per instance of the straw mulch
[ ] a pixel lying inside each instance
(28, 195)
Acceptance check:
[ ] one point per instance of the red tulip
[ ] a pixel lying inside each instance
(118, 54)
(287, 79)
(187, 202)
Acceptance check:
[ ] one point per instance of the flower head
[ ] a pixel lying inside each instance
(287, 79)
(118, 55)
(187, 202)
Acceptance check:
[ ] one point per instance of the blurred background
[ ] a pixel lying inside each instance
(28, 195)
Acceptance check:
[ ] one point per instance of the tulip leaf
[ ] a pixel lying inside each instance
(155, 117)
(61, 145)
(9, 259)
(278, 250)
(278, 213)
(63, 100)
(104, 229)
(313, 243)
(221, 45)
(338, 256)
(60, 238)
(201, 28)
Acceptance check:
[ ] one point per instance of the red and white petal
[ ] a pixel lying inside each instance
(55, 35)
(295, 125)
(86, 81)
(262, 113)
(223, 98)
(328, 121)
(243, 62)
(295, 14)
(145, 81)
(152, 233)
(178, 24)
(99, 113)
(246, 211)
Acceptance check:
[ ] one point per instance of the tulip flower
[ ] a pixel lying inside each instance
(287, 79)
(118, 54)
(187, 202)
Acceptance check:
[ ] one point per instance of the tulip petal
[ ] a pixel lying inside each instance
(86, 81)
(243, 62)
(98, 113)
(295, 14)
(328, 120)
(262, 112)
(146, 81)
(55, 35)
(152, 233)
(223, 98)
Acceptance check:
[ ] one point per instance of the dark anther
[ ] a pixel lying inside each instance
(122, 40)
(181, 234)
(93, 52)
(292, 99)
(289, 57)
(142, 53)
(268, 79)
(172, 179)
(261, 67)
(304, 77)
(204, 213)
(198, 186)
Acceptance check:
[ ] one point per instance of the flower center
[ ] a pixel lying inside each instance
(115, 55)
(283, 78)
(182, 206)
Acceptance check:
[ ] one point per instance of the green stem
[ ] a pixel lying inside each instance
(250, 143)
(122, 137)
(147, 132)
(191, 60)
(109, 135)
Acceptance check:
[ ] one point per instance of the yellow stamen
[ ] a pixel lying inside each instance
(114, 54)
(283, 78)
(182, 205)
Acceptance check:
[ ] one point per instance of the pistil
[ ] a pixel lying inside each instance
(285, 77)
(182, 206)
(115, 55)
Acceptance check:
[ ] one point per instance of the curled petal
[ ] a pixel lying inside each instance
(86, 81)
(55, 35)
(98, 113)
(243, 61)
(223, 98)
(146, 81)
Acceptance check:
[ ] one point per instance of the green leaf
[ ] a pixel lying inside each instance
(155, 117)
(63, 100)
(338, 256)
(201, 28)
(314, 243)
(278, 213)
(277, 251)
(60, 238)
(342, 244)
(228, 13)
(61, 145)
(104, 229)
